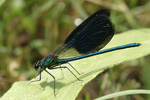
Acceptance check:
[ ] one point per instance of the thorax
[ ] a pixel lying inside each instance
(49, 61)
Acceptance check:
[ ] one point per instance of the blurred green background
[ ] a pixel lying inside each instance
(31, 29)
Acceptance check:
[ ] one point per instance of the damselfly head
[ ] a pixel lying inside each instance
(37, 65)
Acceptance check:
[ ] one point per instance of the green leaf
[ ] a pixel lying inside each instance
(122, 93)
(67, 88)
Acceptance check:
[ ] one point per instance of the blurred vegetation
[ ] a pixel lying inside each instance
(31, 29)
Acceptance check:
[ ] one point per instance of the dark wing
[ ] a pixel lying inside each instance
(90, 36)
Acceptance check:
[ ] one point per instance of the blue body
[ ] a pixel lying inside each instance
(100, 52)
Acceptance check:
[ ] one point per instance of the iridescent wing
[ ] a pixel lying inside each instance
(90, 36)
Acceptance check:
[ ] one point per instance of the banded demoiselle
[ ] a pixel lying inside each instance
(84, 41)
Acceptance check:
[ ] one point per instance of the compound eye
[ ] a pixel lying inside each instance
(37, 65)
